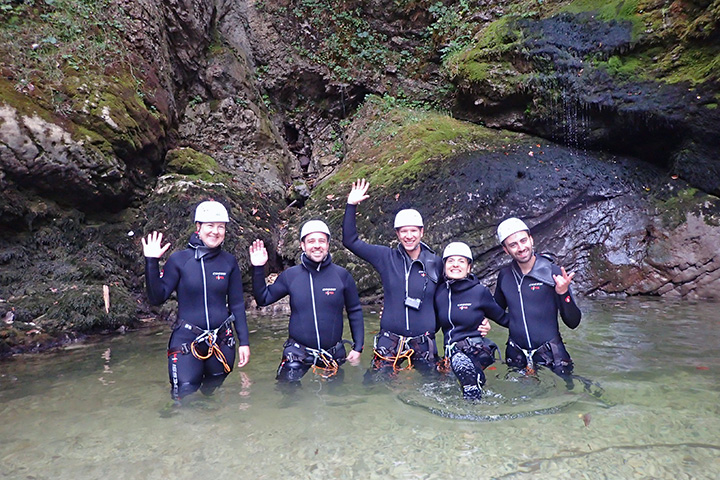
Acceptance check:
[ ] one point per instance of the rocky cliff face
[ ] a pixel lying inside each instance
(622, 224)
(119, 124)
(635, 78)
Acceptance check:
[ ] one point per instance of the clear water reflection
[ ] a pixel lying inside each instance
(650, 410)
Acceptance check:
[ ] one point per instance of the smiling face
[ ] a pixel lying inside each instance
(457, 267)
(519, 246)
(316, 246)
(410, 239)
(212, 234)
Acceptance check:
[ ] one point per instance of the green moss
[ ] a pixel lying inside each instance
(627, 68)
(399, 143)
(674, 209)
(50, 38)
(480, 61)
(692, 63)
(610, 10)
(195, 165)
(605, 10)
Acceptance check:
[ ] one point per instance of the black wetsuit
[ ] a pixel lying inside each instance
(461, 306)
(401, 278)
(318, 295)
(208, 283)
(532, 315)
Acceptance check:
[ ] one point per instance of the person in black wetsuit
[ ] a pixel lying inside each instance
(462, 303)
(409, 275)
(208, 282)
(319, 291)
(534, 290)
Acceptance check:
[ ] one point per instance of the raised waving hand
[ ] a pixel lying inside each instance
(153, 247)
(258, 253)
(358, 193)
(562, 282)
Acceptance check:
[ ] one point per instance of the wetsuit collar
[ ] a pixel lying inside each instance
(423, 253)
(310, 265)
(541, 271)
(430, 262)
(462, 284)
(201, 251)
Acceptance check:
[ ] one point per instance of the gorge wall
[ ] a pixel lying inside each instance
(595, 122)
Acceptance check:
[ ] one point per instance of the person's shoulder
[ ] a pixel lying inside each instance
(335, 266)
(227, 256)
(481, 287)
(181, 256)
(294, 270)
(338, 270)
(505, 269)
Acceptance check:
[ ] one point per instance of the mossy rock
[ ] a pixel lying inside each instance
(195, 165)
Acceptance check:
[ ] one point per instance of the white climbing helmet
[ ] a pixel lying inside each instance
(211, 211)
(408, 218)
(313, 226)
(509, 226)
(457, 248)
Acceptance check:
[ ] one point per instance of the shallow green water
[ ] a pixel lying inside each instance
(651, 411)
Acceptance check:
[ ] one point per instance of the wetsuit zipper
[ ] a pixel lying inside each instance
(312, 297)
(452, 325)
(519, 280)
(205, 297)
(407, 315)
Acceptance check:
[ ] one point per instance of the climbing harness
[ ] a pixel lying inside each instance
(210, 339)
(323, 361)
(403, 352)
(530, 365)
(405, 348)
(328, 366)
(475, 346)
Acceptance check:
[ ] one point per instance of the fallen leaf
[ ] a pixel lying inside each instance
(586, 417)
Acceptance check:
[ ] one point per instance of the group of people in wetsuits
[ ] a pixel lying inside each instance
(423, 293)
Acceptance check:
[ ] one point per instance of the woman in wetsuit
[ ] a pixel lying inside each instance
(461, 304)
(208, 282)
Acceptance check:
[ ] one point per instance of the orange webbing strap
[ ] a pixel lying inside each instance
(331, 366)
(213, 349)
(403, 352)
(443, 365)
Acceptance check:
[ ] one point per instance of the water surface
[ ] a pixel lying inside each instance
(648, 408)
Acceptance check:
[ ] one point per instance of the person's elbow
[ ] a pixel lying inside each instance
(155, 301)
(573, 322)
(260, 301)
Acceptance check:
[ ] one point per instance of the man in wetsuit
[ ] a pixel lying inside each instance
(319, 290)
(208, 283)
(409, 275)
(534, 290)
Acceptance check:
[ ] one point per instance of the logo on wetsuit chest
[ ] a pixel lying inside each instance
(329, 290)
(219, 275)
(535, 286)
(464, 306)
